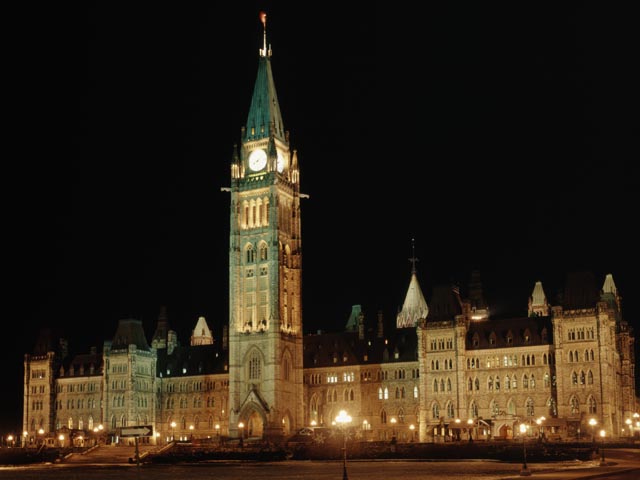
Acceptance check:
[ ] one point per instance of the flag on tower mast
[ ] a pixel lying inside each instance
(263, 19)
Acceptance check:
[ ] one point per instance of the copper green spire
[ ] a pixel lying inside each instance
(264, 112)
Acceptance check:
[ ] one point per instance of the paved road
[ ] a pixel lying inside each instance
(620, 461)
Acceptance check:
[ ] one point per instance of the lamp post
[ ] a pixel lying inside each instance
(218, 430)
(25, 434)
(41, 437)
(412, 428)
(10, 441)
(457, 429)
(343, 419)
(470, 427)
(191, 427)
(593, 422)
(393, 429)
(241, 434)
(173, 426)
(524, 471)
(61, 438)
(540, 427)
(602, 462)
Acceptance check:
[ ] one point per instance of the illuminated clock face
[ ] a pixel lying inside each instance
(280, 163)
(257, 160)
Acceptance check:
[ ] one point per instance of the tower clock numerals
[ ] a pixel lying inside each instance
(257, 160)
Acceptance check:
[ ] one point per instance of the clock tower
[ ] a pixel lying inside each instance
(265, 314)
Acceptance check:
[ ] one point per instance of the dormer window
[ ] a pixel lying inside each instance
(509, 338)
(475, 341)
(527, 337)
(492, 338)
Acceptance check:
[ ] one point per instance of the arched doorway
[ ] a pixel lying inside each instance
(255, 425)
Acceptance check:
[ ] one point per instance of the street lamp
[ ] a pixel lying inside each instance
(10, 440)
(470, 424)
(458, 429)
(343, 419)
(412, 427)
(173, 426)
(393, 429)
(540, 427)
(25, 434)
(602, 462)
(217, 430)
(191, 427)
(61, 438)
(524, 471)
(241, 433)
(593, 422)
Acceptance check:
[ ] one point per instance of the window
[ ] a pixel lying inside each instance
(592, 405)
(255, 367)
(435, 411)
(575, 405)
(450, 410)
(530, 407)
(415, 392)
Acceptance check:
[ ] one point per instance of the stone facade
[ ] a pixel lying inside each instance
(448, 368)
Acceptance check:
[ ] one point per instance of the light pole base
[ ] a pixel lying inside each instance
(525, 472)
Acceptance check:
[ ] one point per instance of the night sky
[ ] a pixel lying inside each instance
(502, 137)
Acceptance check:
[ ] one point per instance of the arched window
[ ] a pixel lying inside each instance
(386, 393)
(435, 385)
(571, 356)
(351, 396)
(415, 392)
(582, 378)
(592, 405)
(590, 378)
(574, 405)
(450, 410)
(511, 408)
(255, 366)
(495, 408)
(544, 358)
(552, 407)
(507, 382)
(490, 383)
(475, 341)
(546, 380)
(435, 410)
(470, 384)
(442, 384)
(383, 417)
(380, 393)
(514, 382)
(474, 409)
(477, 383)
(530, 407)
(525, 381)
(263, 252)
(527, 337)
(574, 378)
(448, 384)
(497, 384)
(250, 253)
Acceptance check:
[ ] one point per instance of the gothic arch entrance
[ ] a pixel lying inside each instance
(255, 425)
(286, 425)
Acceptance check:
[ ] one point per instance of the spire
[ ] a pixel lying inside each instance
(159, 339)
(538, 304)
(264, 109)
(415, 306)
(352, 323)
(413, 258)
(609, 285)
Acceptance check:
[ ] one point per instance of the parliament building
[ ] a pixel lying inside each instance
(447, 368)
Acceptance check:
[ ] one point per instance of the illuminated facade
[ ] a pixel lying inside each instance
(447, 362)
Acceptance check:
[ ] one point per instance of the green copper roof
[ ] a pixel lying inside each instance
(264, 109)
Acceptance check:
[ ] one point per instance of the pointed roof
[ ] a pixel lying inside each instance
(130, 332)
(538, 298)
(201, 334)
(414, 307)
(264, 112)
(352, 323)
(609, 285)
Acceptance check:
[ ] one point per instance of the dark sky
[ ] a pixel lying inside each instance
(503, 137)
